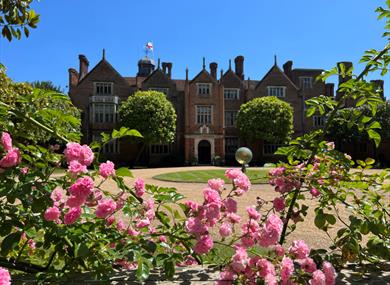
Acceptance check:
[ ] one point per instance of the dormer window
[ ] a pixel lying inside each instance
(231, 93)
(104, 88)
(204, 89)
(277, 91)
(306, 82)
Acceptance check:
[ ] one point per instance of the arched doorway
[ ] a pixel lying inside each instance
(204, 152)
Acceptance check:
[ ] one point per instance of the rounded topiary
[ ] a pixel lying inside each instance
(266, 118)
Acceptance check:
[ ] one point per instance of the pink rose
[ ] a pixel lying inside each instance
(52, 214)
(253, 214)
(192, 205)
(195, 226)
(139, 185)
(76, 167)
(299, 249)
(239, 259)
(279, 250)
(225, 230)
(110, 220)
(279, 204)
(315, 192)
(162, 239)
(287, 269)
(6, 141)
(72, 215)
(225, 278)
(242, 182)
(24, 170)
(83, 154)
(330, 273)
(107, 169)
(11, 159)
(330, 145)
(211, 196)
(5, 277)
(120, 225)
(318, 278)
(234, 218)
(230, 205)
(271, 231)
(216, 184)
(76, 201)
(56, 195)
(105, 208)
(277, 171)
(308, 265)
(82, 187)
(233, 173)
(204, 244)
(265, 267)
(142, 223)
(132, 232)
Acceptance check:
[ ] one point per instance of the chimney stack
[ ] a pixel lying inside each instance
(239, 62)
(84, 63)
(213, 69)
(73, 78)
(169, 67)
(347, 65)
(287, 68)
(164, 67)
(329, 89)
(379, 84)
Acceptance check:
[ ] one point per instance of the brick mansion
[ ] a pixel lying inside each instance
(206, 107)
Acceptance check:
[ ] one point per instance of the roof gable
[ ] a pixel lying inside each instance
(158, 78)
(204, 76)
(230, 78)
(275, 74)
(103, 71)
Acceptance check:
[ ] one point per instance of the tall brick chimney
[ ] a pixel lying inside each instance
(287, 68)
(347, 66)
(239, 62)
(73, 78)
(84, 63)
(169, 67)
(164, 67)
(213, 69)
(379, 84)
(329, 89)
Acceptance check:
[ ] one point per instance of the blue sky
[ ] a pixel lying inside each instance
(312, 33)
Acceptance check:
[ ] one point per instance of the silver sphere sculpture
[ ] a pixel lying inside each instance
(243, 156)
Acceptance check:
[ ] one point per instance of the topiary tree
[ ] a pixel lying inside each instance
(266, 118)
(152, 115)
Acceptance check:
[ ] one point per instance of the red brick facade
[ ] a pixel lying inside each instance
(206, 106)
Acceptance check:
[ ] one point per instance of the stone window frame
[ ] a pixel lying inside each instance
(227, 95)
(160, 149)
(319, 121)
(203, 86)
(306, 84)
(113, 147)
(164, 90)
(272, 91)
(234, 118)
(270, 148)
(231, 146)
(102, 111)
(197, 115)
(105, 84)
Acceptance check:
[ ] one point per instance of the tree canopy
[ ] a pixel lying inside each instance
(46, 85)
(151, 114)
(266, 118)
(16, 18)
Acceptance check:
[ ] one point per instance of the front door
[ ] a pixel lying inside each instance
(204, 152)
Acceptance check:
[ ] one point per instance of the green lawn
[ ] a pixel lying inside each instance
(256, 176)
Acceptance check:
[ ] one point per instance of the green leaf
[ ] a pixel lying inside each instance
(374, 136)
(319, 220)
(169, 269)
(124, 172)
(10, 242)
(331, 219)
(81, 250)
(143, 271)
(369, 161)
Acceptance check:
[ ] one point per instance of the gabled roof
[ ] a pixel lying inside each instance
(230, 72)
(203, 71)
(103, 63)
(276, 68)
(157, 72)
